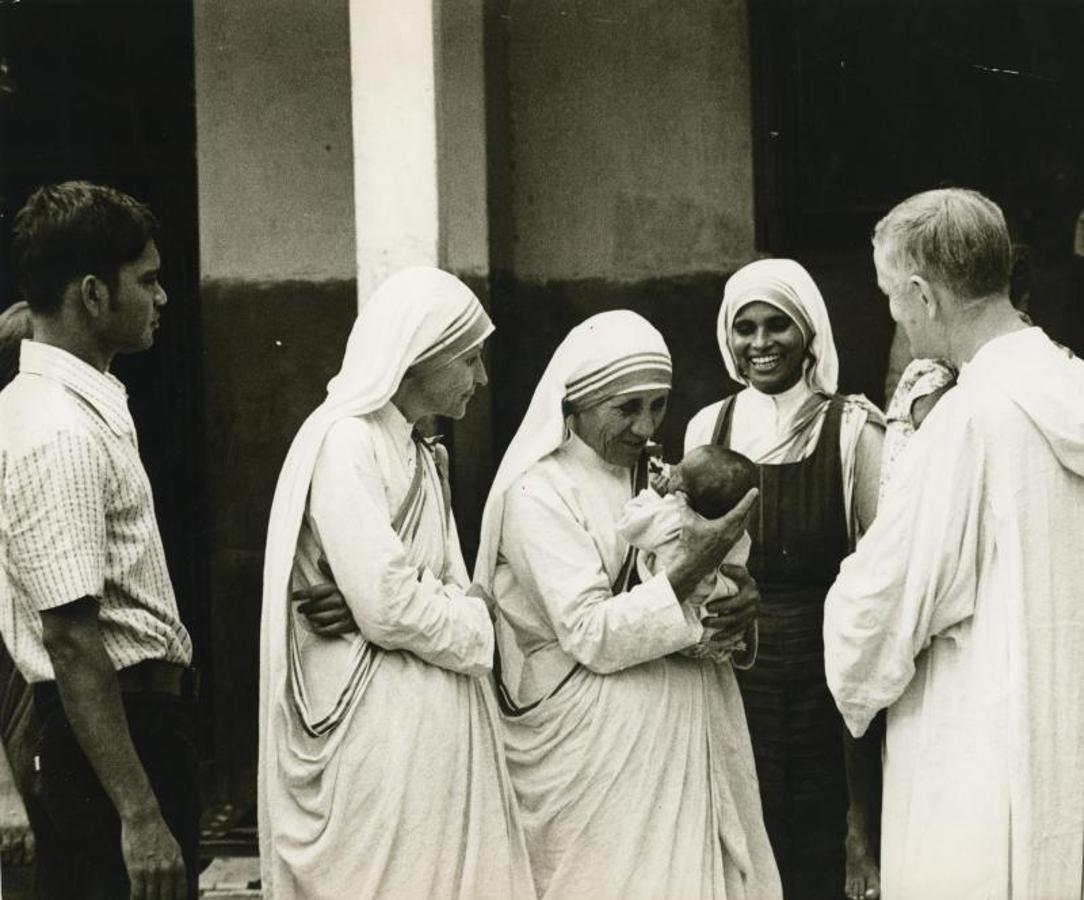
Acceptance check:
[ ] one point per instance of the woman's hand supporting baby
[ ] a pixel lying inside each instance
(703, 545)
(730, 616)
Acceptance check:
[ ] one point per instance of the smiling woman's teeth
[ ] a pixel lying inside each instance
(764, 362)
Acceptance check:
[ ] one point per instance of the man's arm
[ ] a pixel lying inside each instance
(913, 576)
(91, 697)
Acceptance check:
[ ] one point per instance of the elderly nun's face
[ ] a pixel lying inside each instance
(618, 428)
(768, 347)
(446, 391)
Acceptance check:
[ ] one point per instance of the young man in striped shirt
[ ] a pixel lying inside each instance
(86, 604)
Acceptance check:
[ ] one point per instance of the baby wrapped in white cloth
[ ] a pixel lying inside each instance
(709, 481)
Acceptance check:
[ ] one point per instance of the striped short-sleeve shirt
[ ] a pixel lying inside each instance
(77, 516)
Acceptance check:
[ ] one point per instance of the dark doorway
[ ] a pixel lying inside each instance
(857, 105)
(103, 91)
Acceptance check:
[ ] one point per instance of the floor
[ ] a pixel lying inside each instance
(223, 879)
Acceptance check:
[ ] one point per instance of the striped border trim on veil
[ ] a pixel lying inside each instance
(637, 370)
(467, 330)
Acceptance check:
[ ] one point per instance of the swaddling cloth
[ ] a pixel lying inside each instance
(652, 523)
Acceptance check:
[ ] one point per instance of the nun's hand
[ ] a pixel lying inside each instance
(324, 607)
(705, 542)
(732, 615)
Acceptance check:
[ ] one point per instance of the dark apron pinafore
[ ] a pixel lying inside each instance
(799, 532)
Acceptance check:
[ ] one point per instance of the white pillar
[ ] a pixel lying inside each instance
(395, 137)
(419, 121)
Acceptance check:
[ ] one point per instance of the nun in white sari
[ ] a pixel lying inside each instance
(632, 767)
(381, 771)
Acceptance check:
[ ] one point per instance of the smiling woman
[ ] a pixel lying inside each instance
(632, 765)
(619, 428)
(768, 346)
(818, 456)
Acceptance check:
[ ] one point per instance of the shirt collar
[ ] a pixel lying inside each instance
(103, 391)
(781, 406)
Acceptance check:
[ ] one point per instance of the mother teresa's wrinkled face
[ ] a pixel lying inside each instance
(768, 347)
(618, 428)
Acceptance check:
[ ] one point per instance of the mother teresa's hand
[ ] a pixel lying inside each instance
(324, 607)
(704, 544)
(730, 616)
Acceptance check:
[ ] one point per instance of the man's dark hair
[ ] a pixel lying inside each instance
(67, 231)
(715, 478)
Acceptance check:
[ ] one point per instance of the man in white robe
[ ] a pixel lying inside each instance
(960, 612)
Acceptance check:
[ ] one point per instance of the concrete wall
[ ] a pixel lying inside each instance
(630, 138)
(275, 150)
(278, 293)
(621, 175)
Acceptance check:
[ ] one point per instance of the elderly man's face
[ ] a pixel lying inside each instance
(617, 429)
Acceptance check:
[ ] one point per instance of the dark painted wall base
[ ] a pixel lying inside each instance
(269, 350)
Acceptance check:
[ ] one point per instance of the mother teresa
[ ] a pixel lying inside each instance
(632, 767)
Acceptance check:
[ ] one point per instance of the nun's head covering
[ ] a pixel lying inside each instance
(610, 354)
(788, 287)
(418, 319)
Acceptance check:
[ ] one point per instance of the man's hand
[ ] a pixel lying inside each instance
(732, 615)
(153, 858)
(16, 838)
(705, 542)
(324, 607)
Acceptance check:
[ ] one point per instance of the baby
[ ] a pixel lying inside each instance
(714, 479)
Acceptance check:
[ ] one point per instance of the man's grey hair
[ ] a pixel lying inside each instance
(952, 236)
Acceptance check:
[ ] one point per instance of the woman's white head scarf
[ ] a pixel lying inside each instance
(788, 287)
(607, 355)
(420, 319)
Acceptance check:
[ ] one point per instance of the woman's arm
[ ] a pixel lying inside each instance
(867, 475)
(395, 606)
(554, 557)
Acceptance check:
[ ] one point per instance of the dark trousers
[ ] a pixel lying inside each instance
(76, 827)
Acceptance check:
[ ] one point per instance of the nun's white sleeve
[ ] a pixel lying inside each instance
(554, 557)
(394, 606)
(914, 575)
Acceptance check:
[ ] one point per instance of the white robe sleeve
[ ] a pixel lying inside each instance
(912, 577)
(555, 558)
(394, 605)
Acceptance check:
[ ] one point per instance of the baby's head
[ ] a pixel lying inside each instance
(714, 479)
